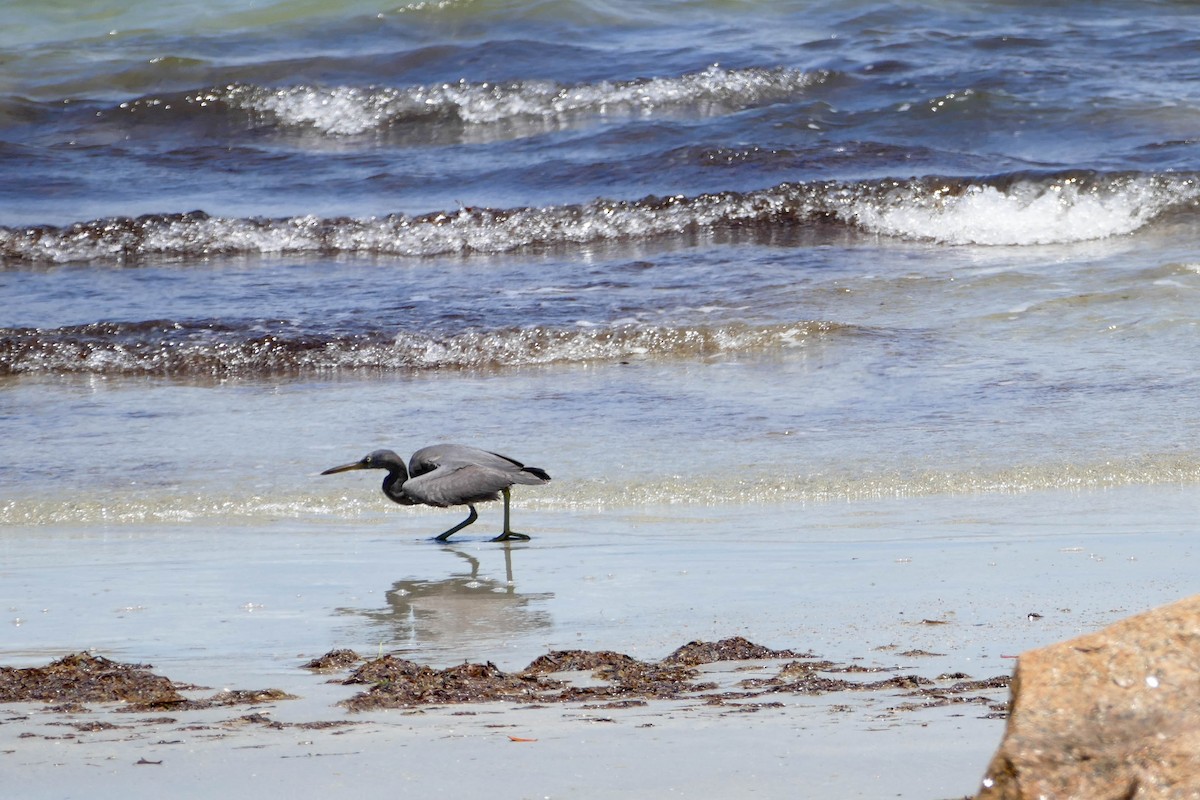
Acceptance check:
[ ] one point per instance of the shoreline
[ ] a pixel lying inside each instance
(974, 580)
(855, 741)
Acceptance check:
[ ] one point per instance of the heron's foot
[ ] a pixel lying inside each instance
(511, 536)
(441, 537)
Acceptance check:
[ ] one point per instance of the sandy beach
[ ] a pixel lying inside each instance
(667, 749)
(931, 587)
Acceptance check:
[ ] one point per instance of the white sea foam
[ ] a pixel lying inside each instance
(160, 350)
(1028, 212)
(348, 110)
(170, 506)
(1019, 211)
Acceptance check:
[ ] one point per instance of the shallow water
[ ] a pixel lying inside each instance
(952, 371)
(228, 604)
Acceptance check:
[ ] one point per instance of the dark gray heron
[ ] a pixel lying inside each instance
(444, 475)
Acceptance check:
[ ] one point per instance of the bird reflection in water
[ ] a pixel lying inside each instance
(464, 610)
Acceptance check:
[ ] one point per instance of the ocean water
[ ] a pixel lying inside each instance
(726, 257)
(702, 252)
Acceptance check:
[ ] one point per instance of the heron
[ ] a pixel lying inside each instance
(444, 475)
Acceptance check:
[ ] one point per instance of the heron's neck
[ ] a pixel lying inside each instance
(395, 479)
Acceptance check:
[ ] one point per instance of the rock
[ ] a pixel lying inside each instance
(1110, 715)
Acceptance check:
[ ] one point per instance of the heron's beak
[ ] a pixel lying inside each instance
(345, 468)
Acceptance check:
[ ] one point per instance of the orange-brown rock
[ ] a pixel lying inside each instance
(1112, 715)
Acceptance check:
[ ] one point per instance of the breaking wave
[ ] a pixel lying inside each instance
(349, 110)
(1017, 209)
(179, 349)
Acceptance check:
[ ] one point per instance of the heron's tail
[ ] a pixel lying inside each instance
(537, 472)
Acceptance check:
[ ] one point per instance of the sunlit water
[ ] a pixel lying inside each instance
(843, 371)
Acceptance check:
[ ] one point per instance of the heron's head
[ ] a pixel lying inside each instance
(376, 459)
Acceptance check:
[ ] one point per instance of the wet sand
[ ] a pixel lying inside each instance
(667, 748)
(929, 587)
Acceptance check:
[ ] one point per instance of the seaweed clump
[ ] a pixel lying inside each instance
(332, 661)
(735, 648)
(87, 678)
(399, 683)
(578, 660)
(82, 678)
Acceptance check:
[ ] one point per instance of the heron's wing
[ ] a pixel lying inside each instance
(430, 458)
(458, 485)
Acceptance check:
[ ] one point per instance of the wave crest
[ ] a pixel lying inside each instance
(1072, 207)
(349, 110)
(179, 349)
(1022, 209)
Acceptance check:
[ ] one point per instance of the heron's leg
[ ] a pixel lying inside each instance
(441, 537)
(508, 534)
